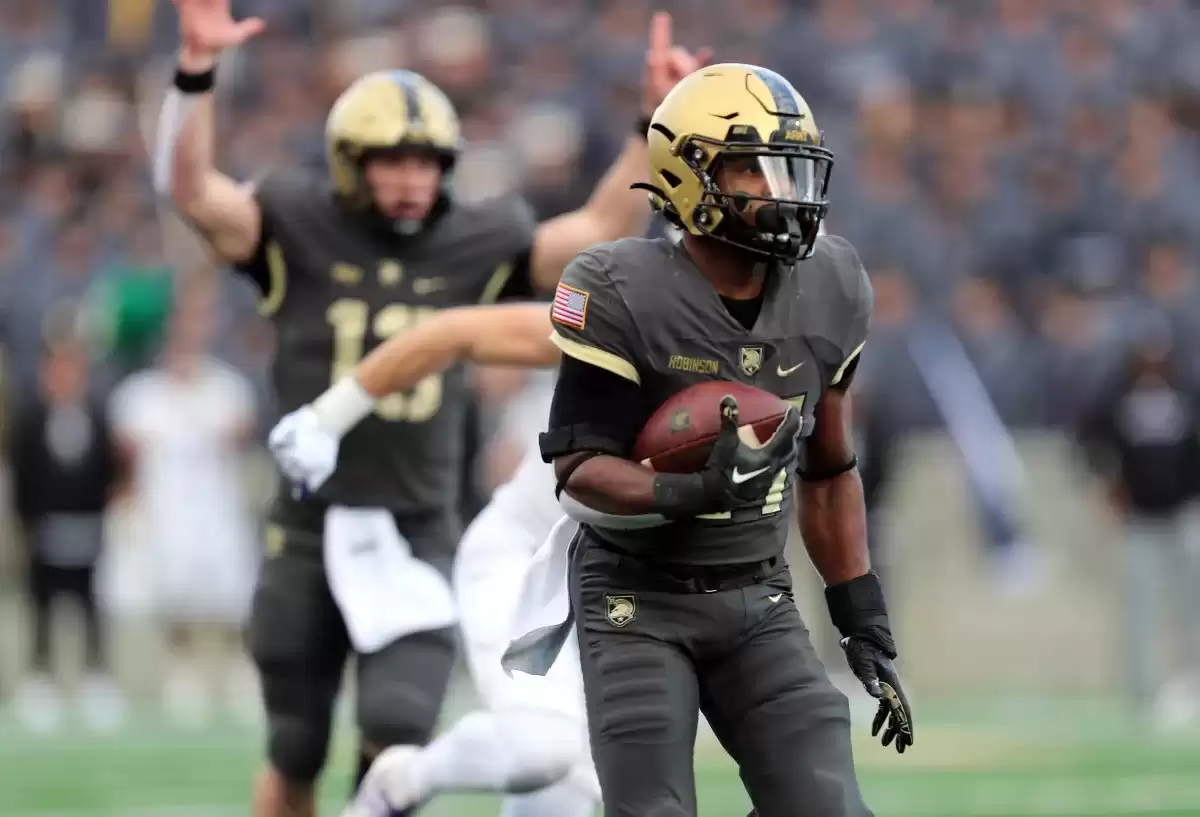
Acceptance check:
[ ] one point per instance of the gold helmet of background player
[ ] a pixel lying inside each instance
(387, 111)
(734, 112)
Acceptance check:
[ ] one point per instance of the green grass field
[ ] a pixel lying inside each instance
(1066, 759)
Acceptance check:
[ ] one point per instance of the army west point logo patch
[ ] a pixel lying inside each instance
(751, 358)
(620, 609)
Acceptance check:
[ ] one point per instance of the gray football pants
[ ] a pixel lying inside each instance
(653, 657)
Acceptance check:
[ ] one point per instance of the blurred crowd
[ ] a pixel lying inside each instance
(1021, 177)
(1026, 170)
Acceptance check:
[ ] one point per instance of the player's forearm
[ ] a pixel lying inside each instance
(833, 522)
(611, 485)
(508, 335)
(620, 210)
(613, 211)
(617, 486)
(192, 160)
(223, 212)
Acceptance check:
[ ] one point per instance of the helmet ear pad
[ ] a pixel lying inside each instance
(683, 182)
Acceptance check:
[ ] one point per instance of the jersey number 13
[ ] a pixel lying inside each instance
(350, 319)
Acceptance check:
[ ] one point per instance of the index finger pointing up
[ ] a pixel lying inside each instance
(660, 34)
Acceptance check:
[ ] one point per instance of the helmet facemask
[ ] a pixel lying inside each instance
(790, 207)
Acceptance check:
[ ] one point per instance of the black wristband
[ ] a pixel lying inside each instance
(821, 476)
(642, 126)
(677, 496)
(857, 606)
(195, 83)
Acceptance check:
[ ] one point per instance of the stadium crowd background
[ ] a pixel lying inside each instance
(1021, 177)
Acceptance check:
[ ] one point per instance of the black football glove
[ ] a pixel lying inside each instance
(859, 613)
(736, 474)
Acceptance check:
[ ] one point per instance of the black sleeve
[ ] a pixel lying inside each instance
(257, 270)
(280, 197)
(593, 410)
(847, 375)
(519, 286)
(854, 309)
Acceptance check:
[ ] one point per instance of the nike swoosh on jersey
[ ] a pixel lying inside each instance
(739, 477)
(782, 372)
(775, 598)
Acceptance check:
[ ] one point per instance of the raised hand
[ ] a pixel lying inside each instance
(206, 27)
(666, 63)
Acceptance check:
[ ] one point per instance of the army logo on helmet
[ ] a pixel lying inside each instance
(752, 357)
(620, 610)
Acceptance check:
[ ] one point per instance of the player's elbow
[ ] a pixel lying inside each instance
(567, 466)
(226, 215)
(187, 194)
(486, 335)
(534, 336)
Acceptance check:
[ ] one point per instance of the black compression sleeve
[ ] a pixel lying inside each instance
(593, 410)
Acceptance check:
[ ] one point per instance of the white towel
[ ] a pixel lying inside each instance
(383, 591)
(543, 619)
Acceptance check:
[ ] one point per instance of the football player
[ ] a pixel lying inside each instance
(533, 732)
(697, 612)
(343, 263)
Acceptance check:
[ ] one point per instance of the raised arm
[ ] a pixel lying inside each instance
(221, 210)
(614, 210)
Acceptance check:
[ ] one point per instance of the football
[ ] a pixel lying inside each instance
(677, 439)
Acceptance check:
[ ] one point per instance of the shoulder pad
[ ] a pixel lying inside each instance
(591, 320)
(856, 299)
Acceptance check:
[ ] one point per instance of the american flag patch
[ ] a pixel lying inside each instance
(570, 307)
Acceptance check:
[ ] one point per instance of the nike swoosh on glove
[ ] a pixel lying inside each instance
(307, 452)
(872, 666)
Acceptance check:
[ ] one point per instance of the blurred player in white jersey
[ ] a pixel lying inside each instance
(181, 427)
(531, 740)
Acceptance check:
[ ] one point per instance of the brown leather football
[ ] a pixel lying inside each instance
(678, 438)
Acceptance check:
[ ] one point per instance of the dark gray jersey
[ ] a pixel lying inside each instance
(642, 310)
(337, 286)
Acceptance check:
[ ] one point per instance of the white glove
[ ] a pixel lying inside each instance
(306, 451)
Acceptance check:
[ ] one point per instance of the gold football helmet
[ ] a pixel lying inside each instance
(385, 111)
(754, 117)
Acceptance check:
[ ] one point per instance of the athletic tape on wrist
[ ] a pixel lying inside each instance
(343, 406)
